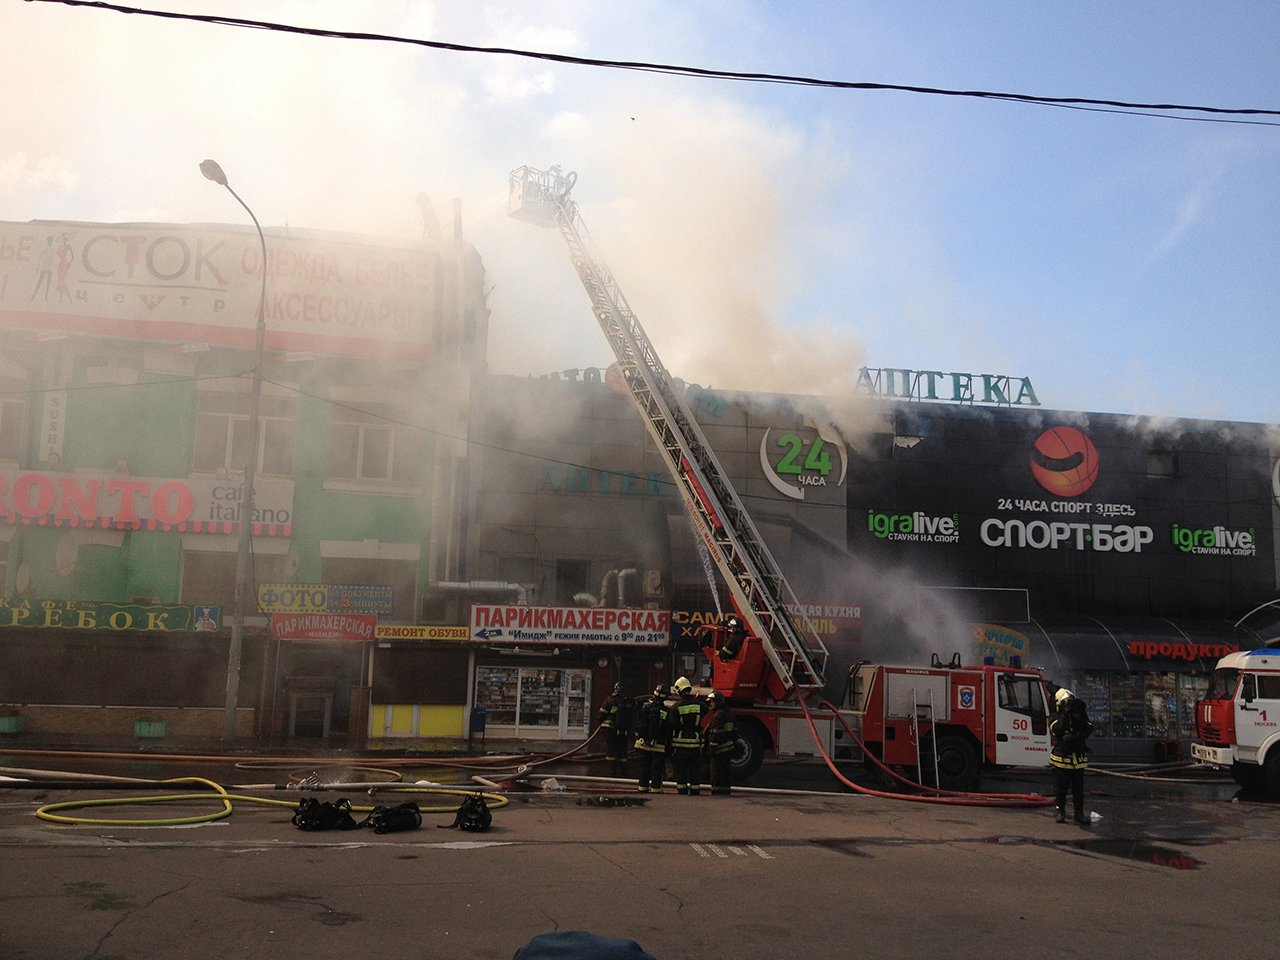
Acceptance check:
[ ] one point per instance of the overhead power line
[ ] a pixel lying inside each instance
(1167, 111)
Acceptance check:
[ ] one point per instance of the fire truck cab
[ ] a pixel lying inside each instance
(1238, 722)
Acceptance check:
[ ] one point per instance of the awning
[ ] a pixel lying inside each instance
(1138, 644)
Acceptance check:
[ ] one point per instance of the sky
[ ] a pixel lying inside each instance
(770, 237)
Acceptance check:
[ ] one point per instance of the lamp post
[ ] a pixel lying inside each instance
(213, 172)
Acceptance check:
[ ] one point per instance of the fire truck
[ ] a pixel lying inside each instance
(1238, 722)
(940, 726)
(945, 721)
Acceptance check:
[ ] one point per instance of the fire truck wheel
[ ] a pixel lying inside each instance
(1248, 775)
(748, 754)
(957, 763)
(1271, 773)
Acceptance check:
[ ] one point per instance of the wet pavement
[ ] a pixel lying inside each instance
(796, 867)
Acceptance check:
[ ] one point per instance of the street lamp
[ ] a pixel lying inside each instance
(213, 172)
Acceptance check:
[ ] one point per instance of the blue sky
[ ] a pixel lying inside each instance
(769, 237)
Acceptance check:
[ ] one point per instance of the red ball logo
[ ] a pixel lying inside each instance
(1064, 462)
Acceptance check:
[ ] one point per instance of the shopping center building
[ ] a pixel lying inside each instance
(128, 360)
(440, 553)
(1121, 554)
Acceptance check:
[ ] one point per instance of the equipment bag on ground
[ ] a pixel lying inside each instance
(473, 815)
(313, 814)
(403, 816)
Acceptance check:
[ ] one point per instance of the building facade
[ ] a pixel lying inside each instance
(127, 361)
(437, 551)
(1123, 555)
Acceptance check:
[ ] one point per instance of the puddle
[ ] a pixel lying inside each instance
(1121, 849)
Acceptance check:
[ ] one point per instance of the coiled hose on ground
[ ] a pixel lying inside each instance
(226, 802)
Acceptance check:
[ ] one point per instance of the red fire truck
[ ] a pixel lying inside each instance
(1238, 722)
(942, 725)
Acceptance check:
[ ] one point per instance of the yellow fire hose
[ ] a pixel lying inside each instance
(225, 800)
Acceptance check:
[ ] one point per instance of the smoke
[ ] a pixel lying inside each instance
(699, 235)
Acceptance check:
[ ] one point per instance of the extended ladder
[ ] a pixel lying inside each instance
(760, 592)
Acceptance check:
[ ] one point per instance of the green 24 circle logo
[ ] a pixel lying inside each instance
(805, 462)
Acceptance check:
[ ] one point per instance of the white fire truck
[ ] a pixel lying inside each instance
(943, 723)
(1238, 722)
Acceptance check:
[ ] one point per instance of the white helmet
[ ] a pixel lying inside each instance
(1062, 696)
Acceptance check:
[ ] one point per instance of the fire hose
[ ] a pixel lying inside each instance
(937, 795)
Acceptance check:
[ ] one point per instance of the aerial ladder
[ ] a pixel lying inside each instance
(773, 619)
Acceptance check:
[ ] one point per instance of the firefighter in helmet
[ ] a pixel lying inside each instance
(1069, 755)
(719, 740)
(735, 634)
(686, 739)
(614, 722)
(653, 736)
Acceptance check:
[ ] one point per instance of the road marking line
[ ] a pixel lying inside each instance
(707, 850)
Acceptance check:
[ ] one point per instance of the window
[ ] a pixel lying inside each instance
(366, 443)
(400, 575)
(13, 417)
(209, 578)
(1094, 690)
(1021, 694)
(1190, 689)
(222, 433)
(1223, 684)
(1268, 686)
(571, 579)
(1162, 705)
(1162, 463)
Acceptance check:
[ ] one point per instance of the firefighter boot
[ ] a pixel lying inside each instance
(1062, 814)
(1081, 817)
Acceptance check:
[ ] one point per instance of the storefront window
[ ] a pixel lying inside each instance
(1162, 706)
(1128, 705)
(1190, 689)
(1092, 688)
(577, 699)
(540, 698)
(535, 701)
(496, 689)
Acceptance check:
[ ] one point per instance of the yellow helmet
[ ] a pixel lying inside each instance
(1062, 696)
(681, 685)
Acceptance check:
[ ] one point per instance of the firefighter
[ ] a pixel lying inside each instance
(718, 743)
(1070, 753)
(652, 740)
(735, 634)
(685, 719)
(614, 721)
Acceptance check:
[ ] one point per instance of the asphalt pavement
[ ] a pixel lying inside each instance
(1170, 869)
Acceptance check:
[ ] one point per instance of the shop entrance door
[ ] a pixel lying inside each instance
(310, 713)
